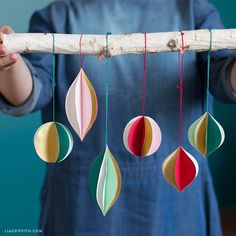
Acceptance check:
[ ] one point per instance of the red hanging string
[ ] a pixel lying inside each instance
(80, 52)
(180, 86)
(144, 73)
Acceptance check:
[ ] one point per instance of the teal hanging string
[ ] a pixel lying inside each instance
(208, 71)
(107, 88)
(53, 79)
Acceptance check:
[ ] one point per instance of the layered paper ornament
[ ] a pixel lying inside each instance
(142, 136)
(206, 134)
(53, 142)
(180, 169)
(81, 105)
(105, 180)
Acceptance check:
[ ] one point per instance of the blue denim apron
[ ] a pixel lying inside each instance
(147, 205)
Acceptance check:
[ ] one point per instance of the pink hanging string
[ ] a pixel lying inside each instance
(180, 87)
(81, 76)
(144, 73)
(80, 52)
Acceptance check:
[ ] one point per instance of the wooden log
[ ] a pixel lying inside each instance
(123, 44)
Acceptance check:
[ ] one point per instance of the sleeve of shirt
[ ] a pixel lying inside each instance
(207, 17)
(39, 64)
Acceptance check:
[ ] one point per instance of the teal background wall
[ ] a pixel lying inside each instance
(223, 162)
(22, 172)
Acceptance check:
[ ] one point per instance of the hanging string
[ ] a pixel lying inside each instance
(144, 74)
(53, 79)
(208, 71)
(81, 76)
(107, 88)
(180, 86)
(80, 52)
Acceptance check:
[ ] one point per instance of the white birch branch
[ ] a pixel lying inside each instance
(131, 43)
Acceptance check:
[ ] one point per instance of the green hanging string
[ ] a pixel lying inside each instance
(53, 79)
(208, 71)
(107, 88)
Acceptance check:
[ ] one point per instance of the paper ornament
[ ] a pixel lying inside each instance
(180, 169)
(142, 136)
(105, 180)
(53, 142)
(206, 134)
(81, 105)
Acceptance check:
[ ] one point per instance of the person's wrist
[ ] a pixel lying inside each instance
(6, 75)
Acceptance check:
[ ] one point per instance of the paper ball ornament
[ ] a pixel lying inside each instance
(53, 142)
(142, 136)
(105, 180)
(81, 105)
(180, 169)
(206, 134)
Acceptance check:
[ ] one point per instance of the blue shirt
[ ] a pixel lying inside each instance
(147, 205)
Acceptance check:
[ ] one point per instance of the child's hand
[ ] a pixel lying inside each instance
(6, 60)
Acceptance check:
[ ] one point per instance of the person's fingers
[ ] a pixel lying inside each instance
(3, 51)
(6, 29)
(8, 61)
(14, 57)
(8, 67)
